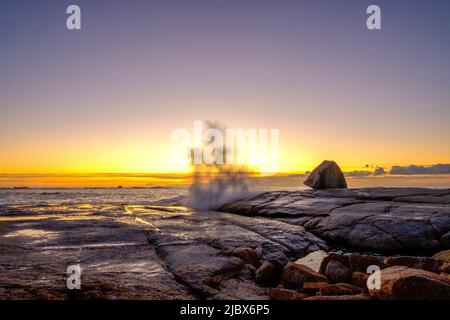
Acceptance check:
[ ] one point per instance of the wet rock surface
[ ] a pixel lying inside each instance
(116, 261)
(247, 252)
(390, 220)
(137, 252)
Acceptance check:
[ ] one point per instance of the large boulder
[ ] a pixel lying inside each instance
(403, 283)
(327, 175)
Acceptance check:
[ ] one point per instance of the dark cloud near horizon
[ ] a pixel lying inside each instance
(414, 169)
(401, 170)
(379, 171)
(361, 173)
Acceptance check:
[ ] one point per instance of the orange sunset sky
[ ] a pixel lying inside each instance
(106, 99)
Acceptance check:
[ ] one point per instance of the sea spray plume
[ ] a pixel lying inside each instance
(212, 188)
(215, 184)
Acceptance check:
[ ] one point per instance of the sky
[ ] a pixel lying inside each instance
(106, 98)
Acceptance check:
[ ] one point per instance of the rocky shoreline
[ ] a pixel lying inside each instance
(248, 250)
(348, 277)
(389, 220)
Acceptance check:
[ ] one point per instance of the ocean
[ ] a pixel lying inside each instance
(95, 196)
(151, 195)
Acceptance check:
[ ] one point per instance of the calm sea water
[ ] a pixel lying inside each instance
(149, 195)
(75, 196)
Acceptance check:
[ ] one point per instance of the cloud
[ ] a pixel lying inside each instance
(379, 171)
(358, 173)
(415, 169)
(401, 170)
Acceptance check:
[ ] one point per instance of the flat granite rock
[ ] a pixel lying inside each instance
(137, 252)
(116, 260)
(194, 248)
(372, 219)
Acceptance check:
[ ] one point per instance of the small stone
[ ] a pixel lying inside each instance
(444, 258)
(269, 273)
(339, 290)
(232, 289)
(361, 263)
(352, 288)
(359, 279)
(251, 269)
(313, 260)
(295, 275)
(337, 272)
(327, 175)
(344, 259)
(248, 255)
(342, 298)
(285, 294)
(314, 287)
